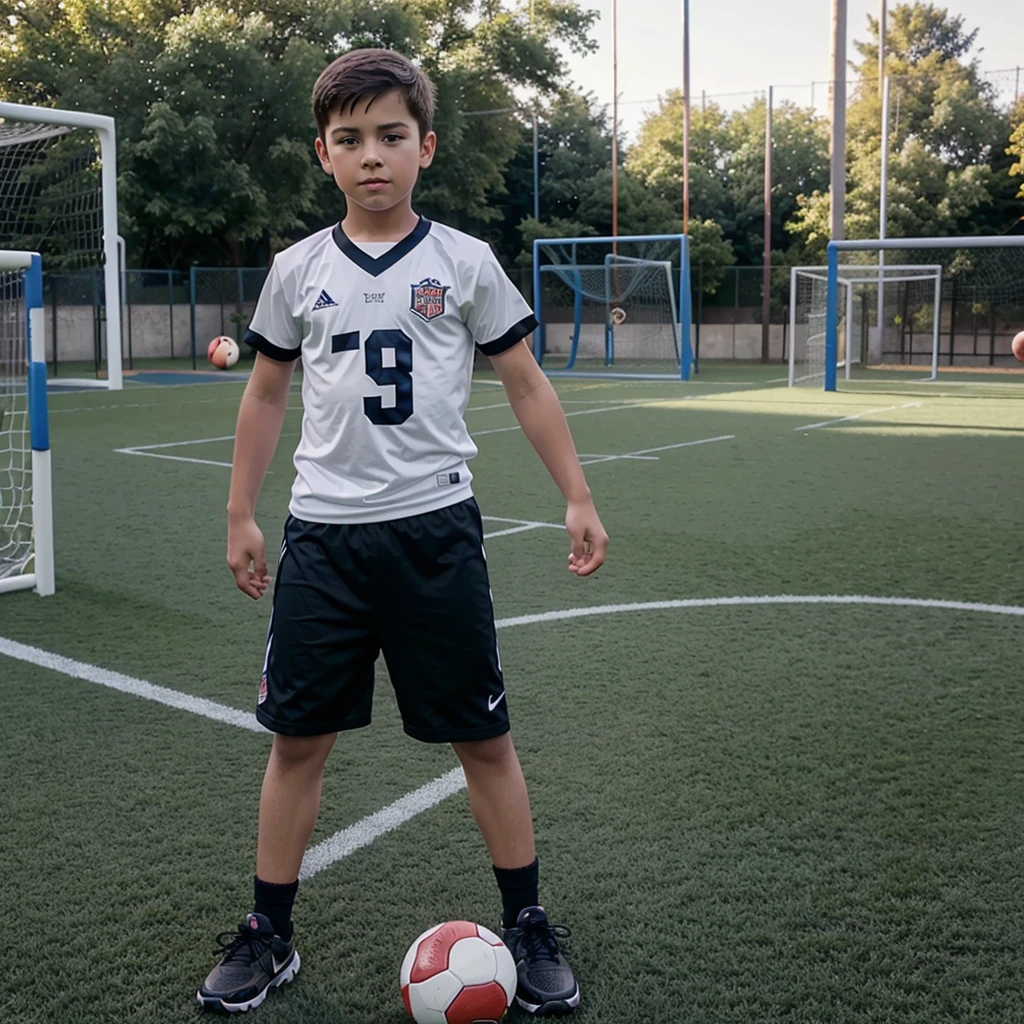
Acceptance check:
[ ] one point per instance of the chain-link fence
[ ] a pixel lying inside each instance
(170, 316)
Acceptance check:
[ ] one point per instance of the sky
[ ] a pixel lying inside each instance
(743, 46)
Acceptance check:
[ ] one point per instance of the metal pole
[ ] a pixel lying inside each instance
(882, 28)
(686, 117)
(766, 287)
(615, 118)
(536, 171)
(838, 104)
(883, 208)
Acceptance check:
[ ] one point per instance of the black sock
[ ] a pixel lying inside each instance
(518, 890)
(274, 901)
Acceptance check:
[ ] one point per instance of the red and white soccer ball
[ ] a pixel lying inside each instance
(1018, 346)
(222, 352)
(458, 973)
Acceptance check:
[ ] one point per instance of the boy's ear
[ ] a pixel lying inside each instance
(321, 152)
(427, 149)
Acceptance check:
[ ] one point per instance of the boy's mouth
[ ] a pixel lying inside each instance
(373, 183)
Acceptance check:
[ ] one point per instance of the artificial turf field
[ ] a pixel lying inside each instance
(757, 812)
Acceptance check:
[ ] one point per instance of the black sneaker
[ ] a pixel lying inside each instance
(253, 960)
(546, 982)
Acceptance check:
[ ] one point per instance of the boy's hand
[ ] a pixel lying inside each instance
(247, 556)
(589, 540)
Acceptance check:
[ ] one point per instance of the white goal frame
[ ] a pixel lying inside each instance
(41, 579)
(104, 128)
(849, 276)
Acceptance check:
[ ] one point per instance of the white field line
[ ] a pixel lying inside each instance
(148, 450)
(583, 412)
(484, 408)
(522, 525)
(128, 684)
(174, 458)
(589, 460)
(364, 832)
(857, 416)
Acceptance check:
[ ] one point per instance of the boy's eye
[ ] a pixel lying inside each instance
(349, 139)
(392, 137)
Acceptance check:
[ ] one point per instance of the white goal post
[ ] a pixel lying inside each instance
(103, 126)
(808, 291)
(26, 497)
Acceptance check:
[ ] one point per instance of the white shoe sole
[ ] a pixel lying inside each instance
(282, 979)
(554, 1007)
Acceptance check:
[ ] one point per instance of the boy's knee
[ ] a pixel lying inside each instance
(302, 751)
(493, 752)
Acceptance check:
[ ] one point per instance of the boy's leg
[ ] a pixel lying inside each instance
(501, 806)
(500, 803)
(261, 954)
(289, 803)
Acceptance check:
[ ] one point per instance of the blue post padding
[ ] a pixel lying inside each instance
(37, 412)
(685, 310)
(832, 318)
(577, 319)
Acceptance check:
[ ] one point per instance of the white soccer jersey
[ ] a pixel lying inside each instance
(386, 344)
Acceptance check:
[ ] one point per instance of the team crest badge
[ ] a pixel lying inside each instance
(428, 298)
(263, 689)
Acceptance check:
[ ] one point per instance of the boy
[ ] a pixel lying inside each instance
(383, 545)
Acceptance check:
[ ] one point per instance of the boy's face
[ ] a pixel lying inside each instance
(375, 153)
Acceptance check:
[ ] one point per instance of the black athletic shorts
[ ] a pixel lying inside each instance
(416, 589)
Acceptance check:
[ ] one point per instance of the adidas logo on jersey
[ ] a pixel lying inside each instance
(324, 301)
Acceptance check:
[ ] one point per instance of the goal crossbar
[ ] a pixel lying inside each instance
(105, 131)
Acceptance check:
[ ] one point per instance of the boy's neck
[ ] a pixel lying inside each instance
(384, 226)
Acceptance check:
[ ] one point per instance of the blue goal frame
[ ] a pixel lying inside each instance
(684, 305)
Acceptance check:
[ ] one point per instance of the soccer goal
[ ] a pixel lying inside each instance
(58, 197)
(978, 310)
(26, 513)
(613, 306)
(906, 294)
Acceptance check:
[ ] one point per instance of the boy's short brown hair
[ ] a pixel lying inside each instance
(366, 74)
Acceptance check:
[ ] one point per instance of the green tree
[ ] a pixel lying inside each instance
(1016, 147)
(946, 136)
(212, 103)
(727, 166)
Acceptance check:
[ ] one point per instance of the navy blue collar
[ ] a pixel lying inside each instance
(376, 265)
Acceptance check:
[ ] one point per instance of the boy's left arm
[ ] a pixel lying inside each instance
(540, 414)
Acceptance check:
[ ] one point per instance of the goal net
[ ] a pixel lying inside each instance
(968, 321)
(26, 531)
(616, 307)
(58, 197)
(907, 297)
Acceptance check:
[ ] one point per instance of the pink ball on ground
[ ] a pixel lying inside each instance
(1018, 346)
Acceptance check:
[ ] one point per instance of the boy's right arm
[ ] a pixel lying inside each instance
(260, 419)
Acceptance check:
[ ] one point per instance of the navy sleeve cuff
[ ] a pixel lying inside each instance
(512, 336)
(268, 348)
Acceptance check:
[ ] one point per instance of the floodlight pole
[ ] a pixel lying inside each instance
(883, 207)
(615, 118)
(766, 287)
(536, 170)
(838, 147)
(686, 117)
